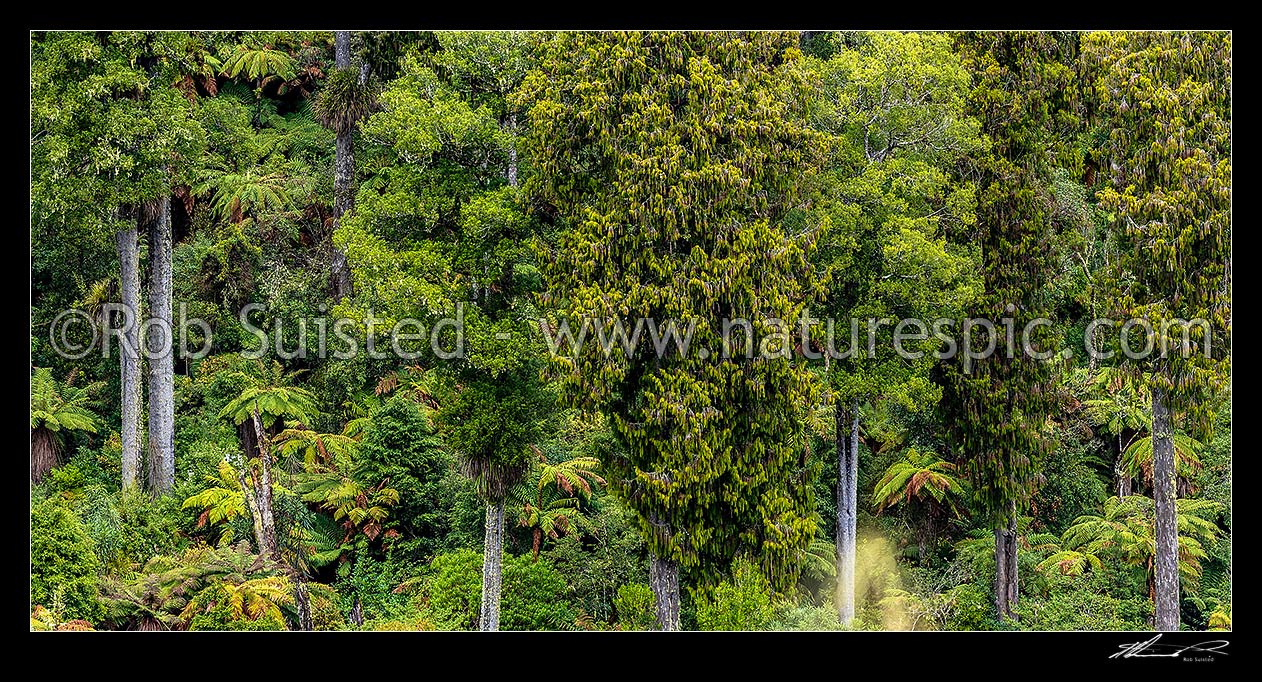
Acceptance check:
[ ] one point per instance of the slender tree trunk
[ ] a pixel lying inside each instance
(129, 353)
(1166, 567)
(847, 509)
(1001, 572)
(160, 343)
(268, 544)
(664, 579)
(302, 601)
(1006, 585)
(492, 567)
(1014, 586)
(536, 540)
(512, 151)
(251, 501)
(1123, 480)
(357, 612)
(343, 175)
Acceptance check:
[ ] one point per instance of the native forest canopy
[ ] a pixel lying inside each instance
(630, 330)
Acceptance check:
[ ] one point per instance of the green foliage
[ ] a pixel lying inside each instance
(894, 106)
(555, 506)
(57, 410)
(673, 162)
(1125, 531)
(342, 101)
(400, 446)
(1137, 459)
(164, 593)
(1071, 484)
(921, 476)
(1164, 100)
(63, 564)
(1075, 603)
(269, 392)
(996, 407)
(534, 596)
(809, 617)
(743, 603)
(636, 607)
(597, 562)
(452, 592)
(219, 503)
(129, 527)
(258, 63)
(517, 180)
(247, 606)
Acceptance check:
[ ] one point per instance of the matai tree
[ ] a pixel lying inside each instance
(1164, 99)
(996, 406)
(676, 167)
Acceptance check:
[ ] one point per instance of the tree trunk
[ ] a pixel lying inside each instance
(1014, 587)
(536, 540)
(1123, 480)
(1001, 573)
(512, 151)
(357, 612)
(302, 602)
(492, 567)
(251, 501)
(664, 579)
(45, 453)
(343, 176)
(160, 342)
(1006, 585)
(1167, 532)
(847, 509)
(264, 492)
(129, 353)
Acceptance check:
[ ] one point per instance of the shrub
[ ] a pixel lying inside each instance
(533, 595)
(636, 607)
(743, 603)
(63, 564)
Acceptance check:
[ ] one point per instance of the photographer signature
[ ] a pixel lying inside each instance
(1151, 649)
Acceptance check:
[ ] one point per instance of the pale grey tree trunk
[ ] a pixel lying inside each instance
(1166, 561)
(664, 579)
(847, 509)
(251, 502)
(512, 151)
(1123, 479)
(343, 175)
(492, 566)
(160, 343)
(129, 353)
(267, 519)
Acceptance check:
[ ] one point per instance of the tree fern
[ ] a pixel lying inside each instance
(1137, 459)
(258, 64)
(57, 409)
